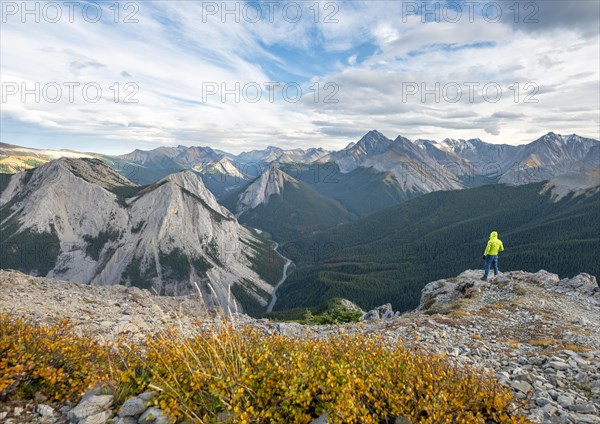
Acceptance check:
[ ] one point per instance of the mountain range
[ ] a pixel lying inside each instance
(371, 222)
(420, 166)
(79, 220)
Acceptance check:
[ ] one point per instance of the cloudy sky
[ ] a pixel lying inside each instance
(111, 77)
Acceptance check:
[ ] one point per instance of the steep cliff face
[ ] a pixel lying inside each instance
(79, 220)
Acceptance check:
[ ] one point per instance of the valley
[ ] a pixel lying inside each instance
(371, 223)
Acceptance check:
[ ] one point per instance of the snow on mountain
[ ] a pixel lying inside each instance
(415, 170)
(479, 152)
(545, 158)
(592, 158)
(166, 236)
(270, 182)
(449, 160)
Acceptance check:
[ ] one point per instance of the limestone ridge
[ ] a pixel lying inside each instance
(163, 237)
(271, 181)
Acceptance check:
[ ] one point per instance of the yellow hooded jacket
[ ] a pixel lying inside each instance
(494, 245)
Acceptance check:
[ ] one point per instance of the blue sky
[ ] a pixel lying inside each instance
(374, 64)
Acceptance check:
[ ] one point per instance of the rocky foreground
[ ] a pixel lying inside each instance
(538, 334)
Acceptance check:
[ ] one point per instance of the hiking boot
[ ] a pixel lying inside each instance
(484, 278)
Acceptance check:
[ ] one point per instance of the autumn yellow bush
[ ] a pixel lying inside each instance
(48, 359)
(247, 376)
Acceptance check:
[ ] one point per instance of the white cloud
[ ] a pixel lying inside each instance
(170, 60)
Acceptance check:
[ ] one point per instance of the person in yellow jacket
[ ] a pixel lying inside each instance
(490, 256)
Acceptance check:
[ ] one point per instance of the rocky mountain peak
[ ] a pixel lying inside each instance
(191, 183)
(403, 140)
(63, 175)
(373, 141)
(271, 181)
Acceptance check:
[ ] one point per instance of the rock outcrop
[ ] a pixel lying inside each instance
(537, 333)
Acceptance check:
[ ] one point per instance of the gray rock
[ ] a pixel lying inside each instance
(584, 284)
(44, 410)
(148, 396)
(585, 419)
(565, 401)
(559, 365)
(96, 391)
(583, 408)
(537, 360)
(125, 420)
(291, 329)
(132, 407)
(99, 418)
(64, 410)
(381, 312)
(542, 401)
(153, 415)
(321, 420)
(549, 409)
(388, 315)
(372, 315)
(522, 386)
(90, 406)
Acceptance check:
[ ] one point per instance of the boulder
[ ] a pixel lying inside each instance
(90, 405)
(132, 407)
(153, 415)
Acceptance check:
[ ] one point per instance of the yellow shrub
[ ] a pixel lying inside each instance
(48, 359)
(247, 376)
